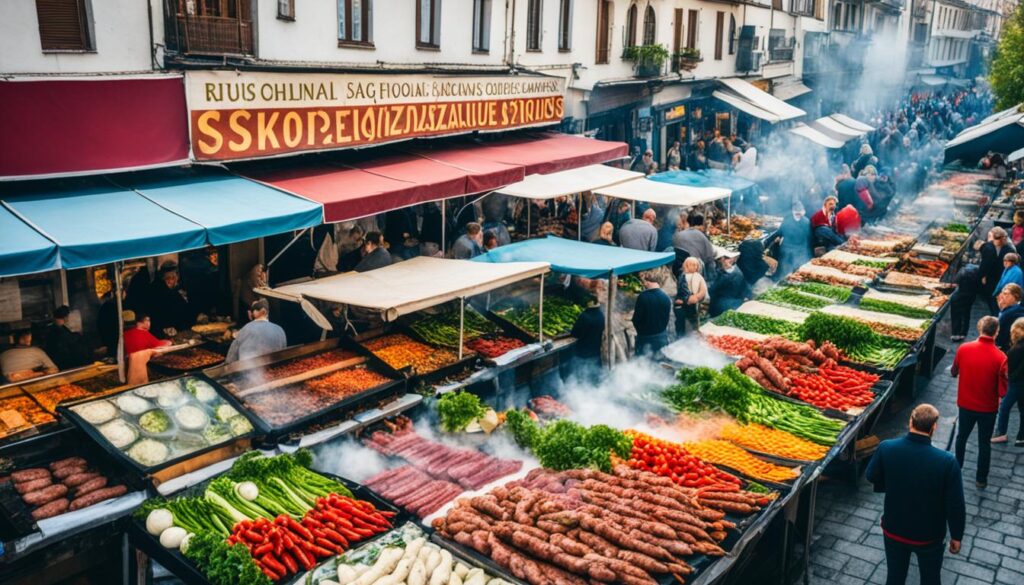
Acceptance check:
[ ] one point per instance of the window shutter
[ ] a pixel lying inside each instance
(62, 25)
(819, 9)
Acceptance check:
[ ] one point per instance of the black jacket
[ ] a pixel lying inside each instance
(1015, 363)
(923, 489)
(588, 331)
(66, 348)
(728, 292)
(1006, 319)
(992, 264)
(968, 283)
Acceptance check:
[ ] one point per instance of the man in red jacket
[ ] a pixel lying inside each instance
(978, 391)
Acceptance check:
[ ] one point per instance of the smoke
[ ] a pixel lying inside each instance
(693, 352)
(350, 459)
(688, 427)
(614, 398)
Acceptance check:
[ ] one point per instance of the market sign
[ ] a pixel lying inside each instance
(240, 115)
(675, 113)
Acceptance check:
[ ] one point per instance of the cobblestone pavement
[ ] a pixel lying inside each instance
(847, 546)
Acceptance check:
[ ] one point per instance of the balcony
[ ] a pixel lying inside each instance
(227, 33)
(781, 48)
(686, 60)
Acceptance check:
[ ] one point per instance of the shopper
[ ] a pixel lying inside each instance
(968, 285)
(1017, 233)
(67, 348)
(605, 234)
(469, 244)
(924, 497)
(258, 337)
(673, 158)
(651, 314)
(375, 254)
(139, 345)
(823, 222)
(729, 290)
(1011, 274)
(691, 291)
(589, 333)
(1015, 387)
(169, 309)
(23, 361)
(640, 234)
(692, 240)
(794, 237)
(981, 368)
(992, 253)
(1010, 310)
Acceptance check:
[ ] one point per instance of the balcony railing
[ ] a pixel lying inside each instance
(210, 35)
(781, 49)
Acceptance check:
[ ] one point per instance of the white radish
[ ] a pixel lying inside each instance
(498, 581)
(412, 549)
(385, 564)
(346, 574)
(433, 560)
(461, 569)
(360, 569)
(418, 574)
(397, 577)
(454, 580)
(475, 577)
(443, 570)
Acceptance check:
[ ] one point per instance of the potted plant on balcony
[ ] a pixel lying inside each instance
(687, 58)
(647, 59)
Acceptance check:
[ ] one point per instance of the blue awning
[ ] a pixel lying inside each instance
(705, 178)
(578, 258)
(232, 209)
(93, 223)
(23, 250)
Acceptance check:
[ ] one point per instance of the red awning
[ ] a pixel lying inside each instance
(553, 152)
(54, 127)
(353, 189)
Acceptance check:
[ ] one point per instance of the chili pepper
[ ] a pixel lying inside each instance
(327, 544)
(273, 576)
(272, 563)
(333, 535)
(321, 552)
(289, 562)
(263, 549)
(299, 528)
(304, 558)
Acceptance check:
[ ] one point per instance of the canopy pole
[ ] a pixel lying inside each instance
(612, 284)
(283, 250)
(579, 217)
(444, 228)
(120, 324)
(540, 313)
(462, 323)
(529, 209)
(728, 215)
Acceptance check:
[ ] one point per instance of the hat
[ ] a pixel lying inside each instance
(168, 266)
(62, 312)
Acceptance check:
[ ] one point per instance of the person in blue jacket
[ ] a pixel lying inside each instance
(1011, 273)
(924, 496)
(795, 240)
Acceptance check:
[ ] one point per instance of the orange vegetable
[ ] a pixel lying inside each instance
(725, 453)
(772, 441)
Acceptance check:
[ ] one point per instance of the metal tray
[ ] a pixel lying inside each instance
(92, 432)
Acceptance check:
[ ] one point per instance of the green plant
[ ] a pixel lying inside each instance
(688, 53)
(1007, 74)
(646, 55)
(458, 409)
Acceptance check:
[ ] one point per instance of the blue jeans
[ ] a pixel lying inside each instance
(1014, 395)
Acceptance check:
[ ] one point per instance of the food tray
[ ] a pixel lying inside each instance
(164, 361)
(185, 452)
(18, 410)
(407, 372)
(15, 518)
(184, 569)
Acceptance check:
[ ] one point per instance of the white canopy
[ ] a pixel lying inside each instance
(661, 193)
(830, 127)
(568, 182)
(789, 91)
(1016, 155)
(410, 286)
(986, 128)
(744, 96)
(816, 136)
(851, 123)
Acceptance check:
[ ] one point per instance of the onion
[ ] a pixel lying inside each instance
(159, 520)
(173, 537)
(247, 490)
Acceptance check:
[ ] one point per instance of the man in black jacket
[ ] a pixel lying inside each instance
(924, 495)
(992, 253)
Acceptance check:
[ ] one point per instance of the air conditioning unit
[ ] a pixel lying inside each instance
(756, 59)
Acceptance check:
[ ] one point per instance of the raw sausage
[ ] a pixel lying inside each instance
(76, 461)
(45, 495)
(31, 486)
(68, 471)
(91, 486)
(30, 474)
(80, 478)
(98, 496)
(50, 510)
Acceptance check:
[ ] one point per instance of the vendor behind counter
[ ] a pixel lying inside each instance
(23, 361)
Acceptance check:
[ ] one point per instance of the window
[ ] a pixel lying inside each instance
(732, 34)
(604, 25)
(819, 9)
(481, 26)
(719, 33)
(428, 24)
(776, 4)
(64, 25)
(631, 26)
(837, 16)
(677, 31)
(286, 9)
(565, 25)
(534, 24)
(693, 17)
(354, 19)
(650, 25)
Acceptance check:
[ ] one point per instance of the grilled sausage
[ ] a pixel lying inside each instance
(30, 474)
(80, 478)
(98, 496)
(50, 510)
(76, 461)
(45, 495)
(91, 486)
(68, 471)
(31, 486)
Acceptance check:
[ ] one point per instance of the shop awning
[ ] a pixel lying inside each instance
(851, 123)
(74, 126)
(833, 129)
(568, 182)
(705, 178)
(551, 152)
(578, 258)
(1015, 155)
(790, 90)
(24, 250)
(351, 188)
(410, 286)
(816, 136)
(232, 209)
(1002, 135)
(932, 80)
(662, 193)
(745, 97)
(99, 223)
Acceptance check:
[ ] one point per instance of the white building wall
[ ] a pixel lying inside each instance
(120, 33)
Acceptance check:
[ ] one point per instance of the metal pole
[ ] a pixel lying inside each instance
(579, 217)
(529, 209)
(612, 285)
(285, 249)
(444, 228)
(462, 323)
(728, 216)
(540, 312)
(120, 324)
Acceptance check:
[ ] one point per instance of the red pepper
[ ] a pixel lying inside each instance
(327, 544)
(289, 562)
(253, 536)
(304, 558)
(263, 549)
(321, 552)
(273, 576)
(299, 528)
(272, 563)
(334, 536)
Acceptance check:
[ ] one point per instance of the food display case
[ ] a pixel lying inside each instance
(307, 385)
(190, 359)
(163, 429)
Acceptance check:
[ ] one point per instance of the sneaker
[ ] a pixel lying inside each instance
(999, 439)
(981, 484)
(1018, 443)
(957, 338)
